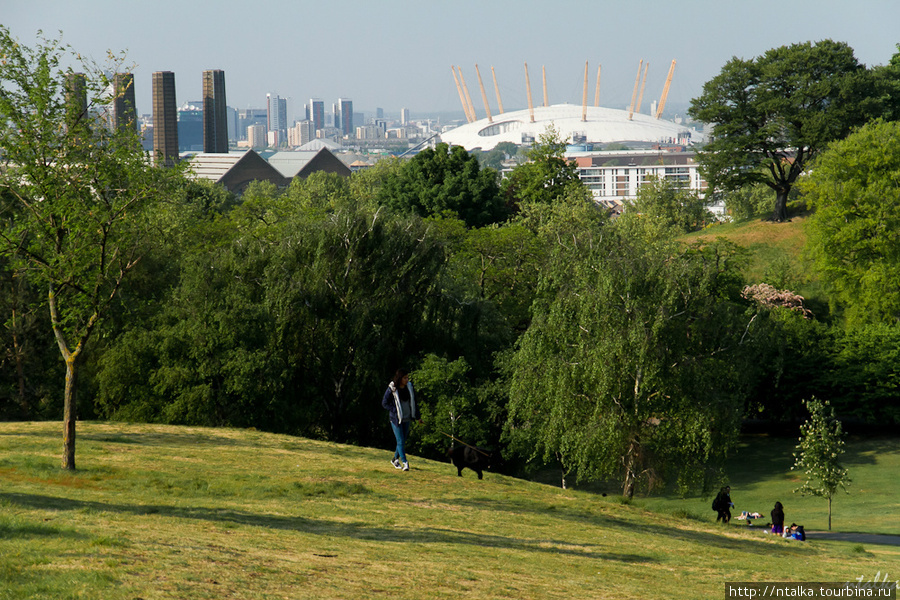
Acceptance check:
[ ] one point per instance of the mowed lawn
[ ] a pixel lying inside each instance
(182, 512)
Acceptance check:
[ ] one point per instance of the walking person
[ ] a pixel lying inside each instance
(400, 402)
(722, 505)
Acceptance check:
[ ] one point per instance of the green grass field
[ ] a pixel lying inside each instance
(178, 512)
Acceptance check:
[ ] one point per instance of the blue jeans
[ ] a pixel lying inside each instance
(401, 432)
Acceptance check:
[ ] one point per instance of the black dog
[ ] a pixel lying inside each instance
(470, 457)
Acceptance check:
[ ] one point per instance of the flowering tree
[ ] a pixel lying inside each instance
(820, 449)
(771, 297)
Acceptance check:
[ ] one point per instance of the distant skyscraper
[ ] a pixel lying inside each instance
(124, 114)
(251, 116)
(165, 118)
(277, 117)
(190, 127)
(346, 121)
(379, 113)
(317, 113)
(215, 124)
(256, 135)
(76, 99)
(404, 116)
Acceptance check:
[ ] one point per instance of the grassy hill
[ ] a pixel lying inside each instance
(177, 512)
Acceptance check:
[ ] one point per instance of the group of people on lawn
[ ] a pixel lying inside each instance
(723, 505)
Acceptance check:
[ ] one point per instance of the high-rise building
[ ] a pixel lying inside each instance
(215, 124)
(165, 118)
(124, 114)
(346, 121)
(190, 127)
(317, 113)
(277, 118)
(301, 133)
(256, 135)
(76, 100)
(251, 116)
(404, 116)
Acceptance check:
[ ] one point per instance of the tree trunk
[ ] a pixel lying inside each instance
(781, 195)
(19, 354)
(631, 465)
(69, 415)
(70, 409)
(829, 513)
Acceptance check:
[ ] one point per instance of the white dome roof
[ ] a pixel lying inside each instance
(603, 125)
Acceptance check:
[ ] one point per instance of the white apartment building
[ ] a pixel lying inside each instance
(616, 176)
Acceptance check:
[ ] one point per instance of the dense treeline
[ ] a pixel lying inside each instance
(531, 320)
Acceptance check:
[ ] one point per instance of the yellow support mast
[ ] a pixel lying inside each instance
(643, 85)
(584, 95)
(528, 89)
(544, 72)
(637, 80)
(665, 92)
(497, 90)
(468, 97)
(462, 99)
(487, 107)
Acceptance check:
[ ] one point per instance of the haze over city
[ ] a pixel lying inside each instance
(392, 54)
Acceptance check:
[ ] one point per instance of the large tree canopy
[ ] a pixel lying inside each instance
(853, 233)
(772, 114)
(628, 366)
(445, 181)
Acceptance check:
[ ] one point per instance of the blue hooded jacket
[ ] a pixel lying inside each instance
(391, 403)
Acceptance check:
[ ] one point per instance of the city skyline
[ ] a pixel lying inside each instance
(397, 54)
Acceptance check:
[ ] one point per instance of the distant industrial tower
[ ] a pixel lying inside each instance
(276, 108)
(124, 114)
(215, 123)
(316, 110)
(165, 118)
(346, 121)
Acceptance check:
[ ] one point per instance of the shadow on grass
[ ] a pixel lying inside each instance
(711, 538)
(34, 530)
(142, 438)
(359, 531)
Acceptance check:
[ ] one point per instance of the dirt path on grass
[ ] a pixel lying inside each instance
(860, 538)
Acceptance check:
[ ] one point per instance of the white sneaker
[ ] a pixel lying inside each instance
(405, 467)
(396, 463)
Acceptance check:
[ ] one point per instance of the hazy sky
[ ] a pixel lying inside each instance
(398, 53)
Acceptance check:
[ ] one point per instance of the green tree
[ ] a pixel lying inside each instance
(863, 380)
(670, 206)
(80, 190)
(819, 453)
(545, 177)
(773, 114)
(853, 232)
(887, 80)
(444, 181)
(628, 368)
(494, 158)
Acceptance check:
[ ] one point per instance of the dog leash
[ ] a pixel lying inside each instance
(455, 439)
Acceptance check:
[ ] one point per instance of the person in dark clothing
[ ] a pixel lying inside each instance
(400, 402)
(778, 519)
(722, 505)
